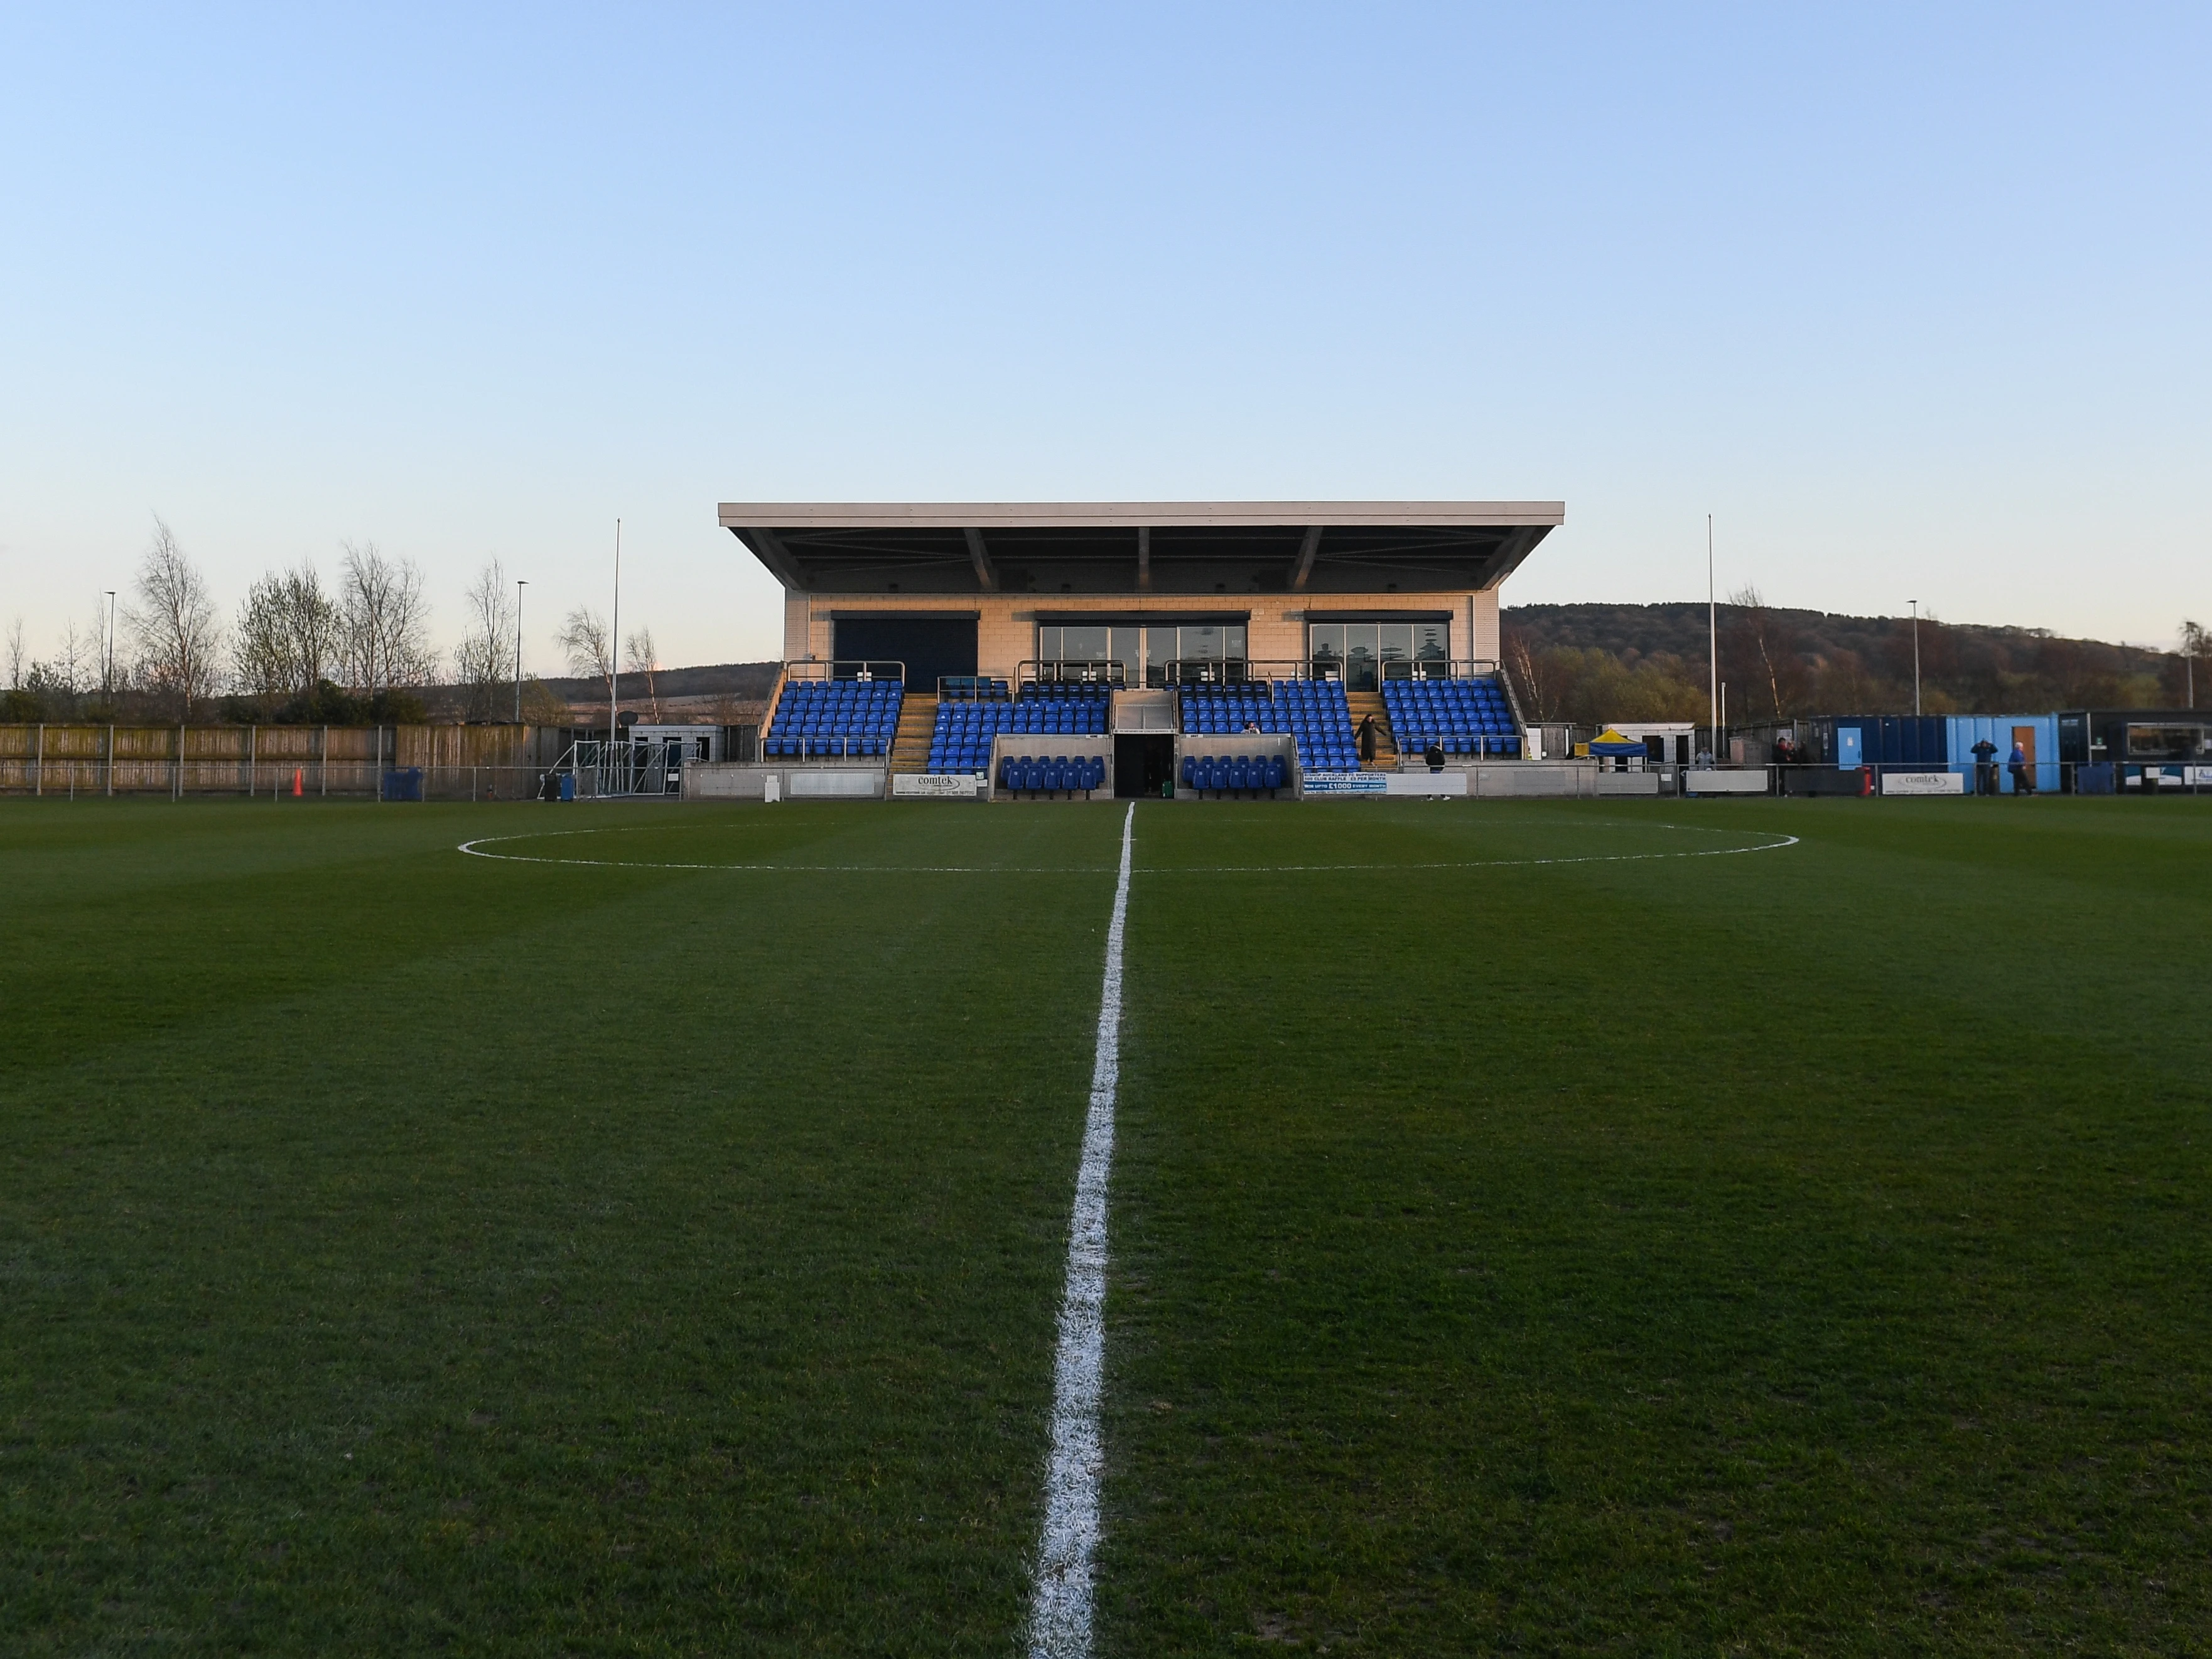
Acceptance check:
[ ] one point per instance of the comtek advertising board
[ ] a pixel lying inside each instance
(1923, 783)
(936, 786)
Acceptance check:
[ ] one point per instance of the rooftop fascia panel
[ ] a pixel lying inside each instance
(1107, 516)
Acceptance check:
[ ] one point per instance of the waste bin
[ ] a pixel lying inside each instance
(403, 783)
(568, 785)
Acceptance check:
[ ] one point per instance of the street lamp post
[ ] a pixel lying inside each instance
(108, 667)
(1713, 638)
(614, 644)
(518, 586)
(1915, 604)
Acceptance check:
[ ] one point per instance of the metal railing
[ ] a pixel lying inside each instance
(1070, 671)
(1437, 668)
(842, 668)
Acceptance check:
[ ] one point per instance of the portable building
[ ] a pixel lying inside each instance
(2037, 736)
(2144, 748)
(1911, 743)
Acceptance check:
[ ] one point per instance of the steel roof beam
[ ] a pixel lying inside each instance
(986, 573)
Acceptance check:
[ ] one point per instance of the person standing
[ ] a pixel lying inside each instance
(1367, 739)
(1435, 757)
(1985, 767)
(2021, 783)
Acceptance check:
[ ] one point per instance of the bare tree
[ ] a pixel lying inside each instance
(1536, 684)
(644, 659)
(173, 625)
(287, 638)
(74, 667)
(15, 654)
(1754, 632)
(484, 660)
(383, 621)
(583, 641)
(590, 648)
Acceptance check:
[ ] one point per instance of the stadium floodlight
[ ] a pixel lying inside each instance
(108, 663)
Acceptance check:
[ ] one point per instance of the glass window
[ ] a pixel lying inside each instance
(1083, 644)
(1159, 651)
(1362, 641)
(2164, 742)
(1396, 641)
(1325, 649)
(1124, 649)
(1431, 641)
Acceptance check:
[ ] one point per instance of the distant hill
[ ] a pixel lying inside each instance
(745, 681)
(1588, 663)
(714, 694)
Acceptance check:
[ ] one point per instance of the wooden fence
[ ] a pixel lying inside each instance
(491, 763)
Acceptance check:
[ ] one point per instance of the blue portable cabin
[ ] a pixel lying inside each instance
(1902, 743)
(2037, 733)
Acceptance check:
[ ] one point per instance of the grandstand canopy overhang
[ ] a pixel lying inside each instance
(1094, 548)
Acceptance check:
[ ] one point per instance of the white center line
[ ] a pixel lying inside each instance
(1060, 1622)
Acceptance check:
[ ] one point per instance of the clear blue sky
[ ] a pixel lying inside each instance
(1915, 299)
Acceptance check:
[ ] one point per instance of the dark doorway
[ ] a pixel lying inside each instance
(931, 648)
(1144, 766)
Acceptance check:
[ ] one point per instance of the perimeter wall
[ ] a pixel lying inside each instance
(479, 762)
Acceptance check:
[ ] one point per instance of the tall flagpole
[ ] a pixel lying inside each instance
(1713, 638)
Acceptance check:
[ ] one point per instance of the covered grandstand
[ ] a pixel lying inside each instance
(1062, 629)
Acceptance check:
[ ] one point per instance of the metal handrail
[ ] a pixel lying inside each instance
(1183, 674)
(1072, 671)
(864, 668)
(962, 688)
(1437, 668)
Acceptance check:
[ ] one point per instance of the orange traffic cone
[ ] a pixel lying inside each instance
(299, 781)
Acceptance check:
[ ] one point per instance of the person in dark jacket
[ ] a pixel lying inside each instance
(1985, 767)
(1435, 755)
(1367, 739)
(2021, 783)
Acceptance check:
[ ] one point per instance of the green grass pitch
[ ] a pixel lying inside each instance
(1526, 1238)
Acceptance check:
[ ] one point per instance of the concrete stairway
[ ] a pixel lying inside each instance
(1362, 704)
(917, 725)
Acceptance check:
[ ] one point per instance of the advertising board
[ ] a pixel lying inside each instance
(1923, 783)
(935, 785)
(1343, 783)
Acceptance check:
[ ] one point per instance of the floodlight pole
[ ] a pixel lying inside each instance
(518, 586)
(108, 668)
(614, 645)
(1713, 637)
(1915, 604)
